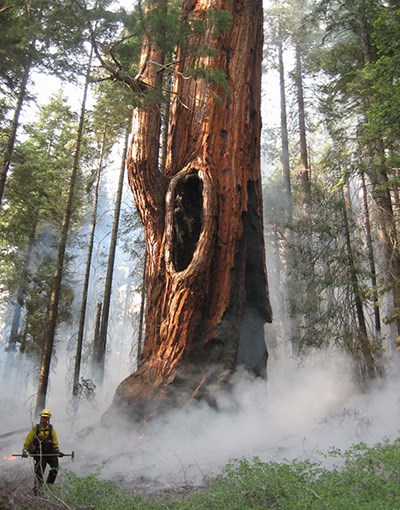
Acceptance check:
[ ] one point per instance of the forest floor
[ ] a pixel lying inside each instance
(362, 478)
(16, 492)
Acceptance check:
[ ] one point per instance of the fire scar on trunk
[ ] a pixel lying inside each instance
(187, 219)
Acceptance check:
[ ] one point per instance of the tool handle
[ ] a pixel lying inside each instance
(72, 455)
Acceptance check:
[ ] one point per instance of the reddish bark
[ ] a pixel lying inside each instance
(206, 297)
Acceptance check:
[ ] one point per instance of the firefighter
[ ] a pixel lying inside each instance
(42, 444)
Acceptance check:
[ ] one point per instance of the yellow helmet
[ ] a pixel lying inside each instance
(46, 413)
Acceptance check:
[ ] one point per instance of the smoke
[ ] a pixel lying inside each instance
(299, 412)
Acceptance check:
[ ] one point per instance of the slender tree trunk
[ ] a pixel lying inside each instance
(16, 320)
(100, 354)
(304, 165)
(125, 320)
(364, 351)
(302, 291)
(285, 136)
(24, 338)
(291, 322)
(388, 236)
(365, 30)
(19, 300)
(206, 287)
(96, 336)
(82, 315)
(396, 202)
(52, 312)
(5, 165)
(278, 279)
(371, 259)
(377, 172)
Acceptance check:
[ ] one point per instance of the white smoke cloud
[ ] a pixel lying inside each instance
(298, 413)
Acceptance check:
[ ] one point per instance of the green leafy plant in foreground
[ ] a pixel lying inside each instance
(94, 493)
(363, 478)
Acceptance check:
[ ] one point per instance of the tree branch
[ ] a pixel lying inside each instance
(115, 73)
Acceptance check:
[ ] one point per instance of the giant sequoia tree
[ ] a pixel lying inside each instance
(206, 286)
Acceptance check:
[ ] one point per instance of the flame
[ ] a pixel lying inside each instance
(10, 458)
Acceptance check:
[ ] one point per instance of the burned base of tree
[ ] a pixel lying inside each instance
(206, 286)
(199, 365)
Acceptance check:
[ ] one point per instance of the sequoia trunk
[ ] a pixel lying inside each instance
(206, 287)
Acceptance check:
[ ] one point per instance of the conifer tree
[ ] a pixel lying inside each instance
(54, 298)
(352, 60)
(38, 35)
(206, 288)
(34, 213)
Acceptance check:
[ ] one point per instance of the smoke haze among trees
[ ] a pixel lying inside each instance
(329, 162)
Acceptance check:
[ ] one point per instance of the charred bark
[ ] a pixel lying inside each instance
(206, 287)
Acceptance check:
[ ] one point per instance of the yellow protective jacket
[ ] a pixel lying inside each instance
(45, 432)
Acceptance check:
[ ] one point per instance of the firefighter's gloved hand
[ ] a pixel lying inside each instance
(24, 453)
(60, 454)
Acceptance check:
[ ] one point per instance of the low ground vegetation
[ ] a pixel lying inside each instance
(361, 478)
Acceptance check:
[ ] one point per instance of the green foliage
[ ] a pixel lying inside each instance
(39, 177)
(325, 264)
(213, 76)
(214, 21)
(99, 494)
(255, 484)
(364, 478)
(10, 45)
(112, 112)
(383, 77)
(363, 81)
(368, 477)
(355, 72)
(51, 37)
(36, 301)
(40, 33)
(220, 21)
(163, 24)
(34, 202)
